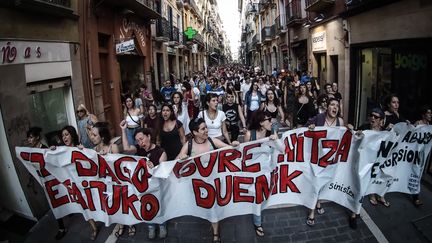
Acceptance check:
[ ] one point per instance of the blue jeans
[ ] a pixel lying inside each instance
(151, 226)
(130, 135)
(257, 220)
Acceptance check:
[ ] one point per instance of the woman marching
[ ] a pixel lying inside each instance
(85, 122)
(171, 132)
(200, 143)
(145, 147)
(34, 140)
(260, 127)
(133, 117)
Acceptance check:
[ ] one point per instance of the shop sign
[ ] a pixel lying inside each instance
(125, 46)
(411, 61)
(19, 52)
(319, 41)
(130, 28)
(171, 50)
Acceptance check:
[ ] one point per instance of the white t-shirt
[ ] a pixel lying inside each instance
(244, 88)
(214, 126)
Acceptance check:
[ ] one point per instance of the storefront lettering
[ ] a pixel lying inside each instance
(10, 53)
(318, 39)
(414, 62)
(132, 26)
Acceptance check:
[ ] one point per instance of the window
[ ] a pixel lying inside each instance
(48, 111)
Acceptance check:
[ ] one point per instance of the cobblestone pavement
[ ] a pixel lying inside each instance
(281, 225)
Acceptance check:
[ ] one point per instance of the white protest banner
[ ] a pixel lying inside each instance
(400, 160)
(300, 168)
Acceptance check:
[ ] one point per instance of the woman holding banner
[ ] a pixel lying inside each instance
(260, 127)
(100, 136)
(146, 148)
(34, 140)
(329, 118)
(201, 143)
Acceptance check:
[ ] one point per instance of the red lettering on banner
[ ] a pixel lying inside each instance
(141, 175)
(75, 194)
(237, 190)
(225, 160)
(115, 199)
(118, 169)
(262, 189)
(316, 136)
(254, 167)
(36, 158)
(206, 171)
(52, 193)
(88, 193)
(286, 180)
(222, 201)
(189, 167)
(128, 201)
(79, 158)
(204, 202)
(151, 201)
(105, 170)
(298, 145)
(101, 187)
(344, 147)
(332, 145)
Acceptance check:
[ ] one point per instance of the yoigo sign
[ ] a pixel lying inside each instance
(412, 61)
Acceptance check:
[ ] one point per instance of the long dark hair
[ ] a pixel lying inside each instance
(35, 132)
(276, 101)
(104, 132)
(208, 97)
(72, 131)
(179, 105)
(172, 116)
(256, 119)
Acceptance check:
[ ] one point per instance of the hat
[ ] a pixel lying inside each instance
(378, 111)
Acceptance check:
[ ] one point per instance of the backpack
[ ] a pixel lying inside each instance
(189, 151)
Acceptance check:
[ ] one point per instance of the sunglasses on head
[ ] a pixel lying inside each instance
(267, 119)
(375, 116)
(80, 111)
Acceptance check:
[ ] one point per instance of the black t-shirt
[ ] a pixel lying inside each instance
(231, 113)
(153, 154)
(338, 96)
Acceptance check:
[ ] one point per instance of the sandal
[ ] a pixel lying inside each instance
(94, 234)
(119, 231)
(132, 230)
(310, 221)
(417, 202)
(259, 231)
(384, 202)
(320, 210)
(216, 238)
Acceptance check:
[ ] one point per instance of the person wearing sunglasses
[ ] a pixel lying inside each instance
(85, 122)
(376, 123)
(260, 127)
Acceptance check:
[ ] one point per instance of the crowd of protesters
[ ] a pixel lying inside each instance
(231, 104)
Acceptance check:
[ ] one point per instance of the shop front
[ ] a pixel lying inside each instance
(36, 90)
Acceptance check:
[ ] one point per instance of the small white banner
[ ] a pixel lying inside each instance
(125, 46)
(319, 41)
(195, 48)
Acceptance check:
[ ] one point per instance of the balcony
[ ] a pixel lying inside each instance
(280, 26)
(58, 8)
(254, 43)
(318, 5)
(143, 8)
(163, 31)
(267, 33)
(174, 34)
(358, 6)
(179, 4)
(293, 13)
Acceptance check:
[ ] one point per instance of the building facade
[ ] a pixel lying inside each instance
(116, 50)
(41, 84)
